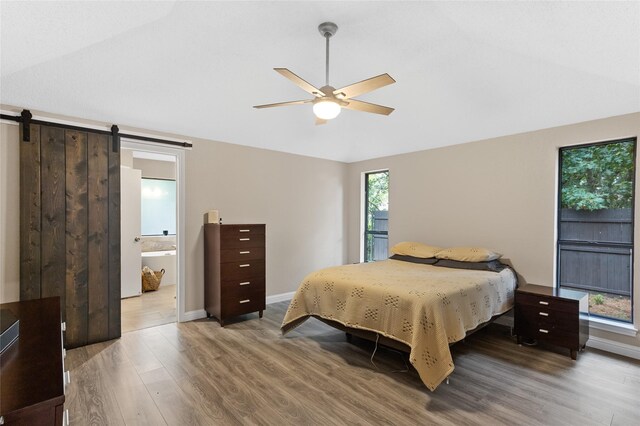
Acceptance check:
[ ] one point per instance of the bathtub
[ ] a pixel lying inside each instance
(164, 259)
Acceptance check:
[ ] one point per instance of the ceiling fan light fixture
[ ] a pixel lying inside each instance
(326, 109)
(328, 101)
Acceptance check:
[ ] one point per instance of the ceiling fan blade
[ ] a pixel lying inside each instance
(284, 104)
(320, 121)
(364, 86)
(367, 107)
(304, 85)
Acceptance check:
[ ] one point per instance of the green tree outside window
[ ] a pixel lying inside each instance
(598, 177)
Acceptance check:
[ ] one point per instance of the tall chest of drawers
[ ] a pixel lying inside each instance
(234, 270)
(552, 315)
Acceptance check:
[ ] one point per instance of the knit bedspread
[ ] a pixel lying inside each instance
(423, 306)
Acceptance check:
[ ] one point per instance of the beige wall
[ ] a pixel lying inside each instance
(9, 213)
(300, 199)
(499, 193)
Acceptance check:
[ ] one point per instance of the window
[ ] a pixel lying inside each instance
(376, 215)
(158, 206)
(595, 225)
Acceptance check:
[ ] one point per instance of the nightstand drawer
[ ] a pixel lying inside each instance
(244, 269)
(237, 240)
(241, 254)
(533, 317)
(551, 303)
(555, 336)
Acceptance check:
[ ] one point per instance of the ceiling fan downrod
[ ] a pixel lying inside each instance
(328, 30)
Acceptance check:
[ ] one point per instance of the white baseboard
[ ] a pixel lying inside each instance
(280, 297)
(614, 347)
(194, 315)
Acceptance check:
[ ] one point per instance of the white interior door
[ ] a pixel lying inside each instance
(131, 263)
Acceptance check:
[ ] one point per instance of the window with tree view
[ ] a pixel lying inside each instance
(376, 215)
(595, 225)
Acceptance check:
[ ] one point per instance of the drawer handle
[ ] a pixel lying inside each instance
(244, 239)
(543, 303)
(542, 330)
(64, 353)
(544, 314)
(63, 326)
(245, 252)
(245, 265)
(245, 230)
(246, 283)
(66, 421)
(245, 301)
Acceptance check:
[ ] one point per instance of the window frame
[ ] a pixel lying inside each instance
(365, 216)
(631, 245)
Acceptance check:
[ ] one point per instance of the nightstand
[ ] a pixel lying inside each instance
(552, 315)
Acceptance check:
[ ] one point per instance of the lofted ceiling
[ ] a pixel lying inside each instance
(465, 70)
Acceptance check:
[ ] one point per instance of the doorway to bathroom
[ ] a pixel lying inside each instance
(151, 235)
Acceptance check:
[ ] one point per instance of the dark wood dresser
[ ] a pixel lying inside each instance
(552, 315)
(32, 377)
(234, 270)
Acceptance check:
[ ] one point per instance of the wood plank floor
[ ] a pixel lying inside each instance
(247, 373)
(149, 309)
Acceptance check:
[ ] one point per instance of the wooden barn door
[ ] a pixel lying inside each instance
(70, 228)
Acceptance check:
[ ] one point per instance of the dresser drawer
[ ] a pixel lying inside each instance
(240, 291)
(241, 254)
(245, 284)
(242, 270)
(534, 317)
(243, 303)
(551, 303)
(241, 241)
(241, 230)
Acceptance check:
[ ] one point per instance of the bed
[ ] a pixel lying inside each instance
(424, 307)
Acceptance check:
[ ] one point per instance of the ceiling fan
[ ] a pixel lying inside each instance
(328, 101)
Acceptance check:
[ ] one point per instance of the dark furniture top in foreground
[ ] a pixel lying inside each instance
(552, 315)
(31, 369)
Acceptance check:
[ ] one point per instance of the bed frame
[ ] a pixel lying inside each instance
(387, 341)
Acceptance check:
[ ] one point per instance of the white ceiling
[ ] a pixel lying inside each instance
(465, 70)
